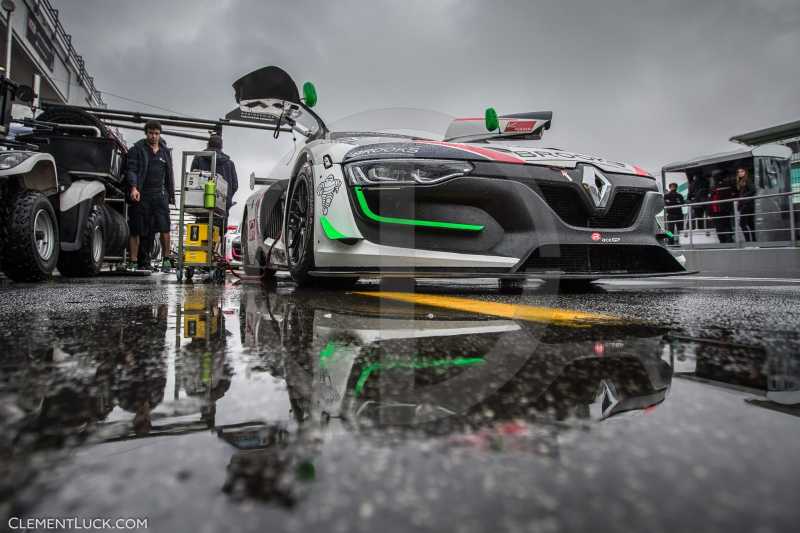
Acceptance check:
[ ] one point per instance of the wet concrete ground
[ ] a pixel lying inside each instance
(659, 405)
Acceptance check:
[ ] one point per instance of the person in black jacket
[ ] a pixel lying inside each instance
(225, 166)
(698, 192)
(152, 189)
(722, 212)
(747, 208)
(675, 214)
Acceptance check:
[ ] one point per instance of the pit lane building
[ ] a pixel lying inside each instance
(41, 46)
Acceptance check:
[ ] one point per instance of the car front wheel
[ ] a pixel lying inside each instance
(299, 233)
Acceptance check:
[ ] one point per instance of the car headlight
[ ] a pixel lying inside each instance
(405, 171)
(12, 159)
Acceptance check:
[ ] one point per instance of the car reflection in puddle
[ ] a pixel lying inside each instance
(354, 364)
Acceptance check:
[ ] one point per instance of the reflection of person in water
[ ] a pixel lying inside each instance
(141, 367)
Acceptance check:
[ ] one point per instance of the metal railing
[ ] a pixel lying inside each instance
(734, 227)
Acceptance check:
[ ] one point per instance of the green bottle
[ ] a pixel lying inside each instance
(210, 195)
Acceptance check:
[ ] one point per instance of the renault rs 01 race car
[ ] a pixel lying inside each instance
(477, 203)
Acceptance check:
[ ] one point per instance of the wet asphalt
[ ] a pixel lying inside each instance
(664, 405)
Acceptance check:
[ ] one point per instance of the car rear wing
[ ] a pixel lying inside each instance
(524, 126)
(270, 96)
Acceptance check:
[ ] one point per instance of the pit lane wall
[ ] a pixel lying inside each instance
(748, 262)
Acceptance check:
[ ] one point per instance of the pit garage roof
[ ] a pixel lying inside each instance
(790, 130)
(766, 150)
(712, 159)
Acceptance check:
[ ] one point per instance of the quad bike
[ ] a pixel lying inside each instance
(61, 191)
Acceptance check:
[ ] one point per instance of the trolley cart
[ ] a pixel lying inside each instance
(192, 203)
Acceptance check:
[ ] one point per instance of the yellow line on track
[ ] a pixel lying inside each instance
(549, 315)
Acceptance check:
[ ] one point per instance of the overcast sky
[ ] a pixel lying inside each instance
(647, 82)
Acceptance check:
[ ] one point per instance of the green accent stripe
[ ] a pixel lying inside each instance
(362, 201)
(429, 363)
(331, 232)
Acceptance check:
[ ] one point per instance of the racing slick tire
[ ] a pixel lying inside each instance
(29, 237)
(88, 259)
(299, 231)
(299, 227)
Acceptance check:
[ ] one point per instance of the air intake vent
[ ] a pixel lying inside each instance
(570, 207)
(592, 258)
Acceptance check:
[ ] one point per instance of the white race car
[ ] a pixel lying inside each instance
(477, 203)
(233, 247)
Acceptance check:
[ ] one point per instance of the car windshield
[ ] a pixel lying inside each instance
(404, 122)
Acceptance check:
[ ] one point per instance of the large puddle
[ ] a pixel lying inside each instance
(349, 411)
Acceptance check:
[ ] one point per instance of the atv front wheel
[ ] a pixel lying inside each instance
(88, 259)
(30, 247)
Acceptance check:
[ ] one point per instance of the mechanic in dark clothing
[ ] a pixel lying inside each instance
(152, 189)
(722, 213)
(674, 215)
(225, 166)
(747, 208)
(698, 192)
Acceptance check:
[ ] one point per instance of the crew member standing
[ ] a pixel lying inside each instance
(698, 192)
(747, 208)
(152, 190)
(721, 211)
(675, 214)
(225, 166)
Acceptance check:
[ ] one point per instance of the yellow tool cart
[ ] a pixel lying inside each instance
(200, 244)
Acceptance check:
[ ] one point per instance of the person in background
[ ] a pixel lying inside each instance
(152, 190)
(698, 192)
(722, 212)
(747, 208)
(674, 199)
(225, 166)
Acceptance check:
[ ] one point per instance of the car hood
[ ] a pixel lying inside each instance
(364, 148)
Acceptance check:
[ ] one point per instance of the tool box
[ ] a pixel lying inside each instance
(194, 191)
(197, 235)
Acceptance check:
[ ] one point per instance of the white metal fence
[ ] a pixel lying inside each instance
(731, 224)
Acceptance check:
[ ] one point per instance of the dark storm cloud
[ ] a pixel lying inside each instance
(641, 81)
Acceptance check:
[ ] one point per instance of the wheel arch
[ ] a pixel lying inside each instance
(37, 173)
(75, 204)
